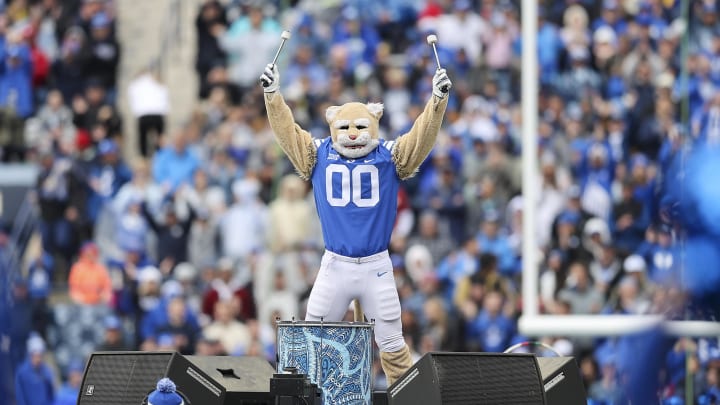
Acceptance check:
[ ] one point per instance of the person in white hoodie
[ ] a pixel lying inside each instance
(149, 101)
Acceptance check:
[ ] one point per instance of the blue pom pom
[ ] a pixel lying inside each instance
(166, 385)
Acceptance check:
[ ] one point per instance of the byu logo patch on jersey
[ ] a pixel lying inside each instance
(333, 156)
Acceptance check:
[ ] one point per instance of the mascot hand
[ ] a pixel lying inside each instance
(270, 79)
(441, 83)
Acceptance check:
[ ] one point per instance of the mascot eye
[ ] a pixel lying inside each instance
(344, 127)
(361, 127)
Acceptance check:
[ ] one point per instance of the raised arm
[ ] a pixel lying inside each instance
(413, 147)
(295, 142)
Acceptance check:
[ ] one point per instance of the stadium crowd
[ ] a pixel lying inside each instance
(204, 236)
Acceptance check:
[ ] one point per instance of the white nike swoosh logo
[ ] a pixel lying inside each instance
(368, 160)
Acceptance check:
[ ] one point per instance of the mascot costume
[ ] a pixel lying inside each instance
(355, 178)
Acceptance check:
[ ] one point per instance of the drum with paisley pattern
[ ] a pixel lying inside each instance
(337, 356)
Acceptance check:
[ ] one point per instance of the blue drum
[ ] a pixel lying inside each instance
(337, 356)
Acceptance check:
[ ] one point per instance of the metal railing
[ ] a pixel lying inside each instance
(171, 35)
(23, 227)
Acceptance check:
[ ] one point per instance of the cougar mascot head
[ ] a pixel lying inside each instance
(354, 128)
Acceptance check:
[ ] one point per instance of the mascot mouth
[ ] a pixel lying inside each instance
(355, 148)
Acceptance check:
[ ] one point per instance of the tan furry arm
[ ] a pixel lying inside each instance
(294, 141)
(413, 147)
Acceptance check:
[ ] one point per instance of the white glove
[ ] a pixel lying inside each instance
(270, 79)
(441, 83)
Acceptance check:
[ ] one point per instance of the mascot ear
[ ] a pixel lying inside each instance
(376, 109)
(331, 113)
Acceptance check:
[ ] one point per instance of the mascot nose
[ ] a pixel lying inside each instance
(352, 136)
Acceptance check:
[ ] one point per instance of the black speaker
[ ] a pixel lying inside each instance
(127, 378)
(470, 378)
(246, 380)
(562, 381)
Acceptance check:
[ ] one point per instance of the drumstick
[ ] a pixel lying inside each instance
(358, 312)
(283, 37)
(432, 40)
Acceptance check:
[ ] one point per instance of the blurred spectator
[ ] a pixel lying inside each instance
(16, 98)
(209, 347)
(445, 197)
(149, 102)
(186, 277)
(549, 48)
(417, 263)
(579, 291)
(441, 329)
(104, 53)
(68, 71)
(20, 317)
(358, 34)
(227, 285)
(290, 216)
(231, 333)
(458, 265)
(431, 236)
(210, 23)
(491, 239)
(462, 29)
(54, 118)
(178, 326)
(472, 289)
(174, 164)
(491, 330)
(606, 270)
(95, 114)
(306, 75)
(243, 228)
(89, 281)
(662, 258)
(114, 340)
(34, 379)
(70, 389)
(254, 34)
(149, 308)
(281, 300)
(552, 279)
(630, 220)
(498, 40)
(132, 228)
(141, 187)
(40, 278)
(607, 389)
(172, 234)
(203, 241)
(105, 177)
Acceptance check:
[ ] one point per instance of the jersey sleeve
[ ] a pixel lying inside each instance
(295, 142)
(412, 148)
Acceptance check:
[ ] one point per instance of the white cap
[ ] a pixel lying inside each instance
(604, 34)
(149, 274)
(184, 271)
(35, 344)
(634, 264)
(564, 347)
(665, 80)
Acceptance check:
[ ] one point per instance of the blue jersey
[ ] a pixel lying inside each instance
(356, 199)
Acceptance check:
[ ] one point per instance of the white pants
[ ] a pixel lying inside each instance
(368, 279)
